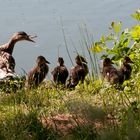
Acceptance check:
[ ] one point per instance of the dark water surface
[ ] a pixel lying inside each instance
(45, 18)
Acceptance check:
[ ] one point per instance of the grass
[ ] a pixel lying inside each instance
(93, 110)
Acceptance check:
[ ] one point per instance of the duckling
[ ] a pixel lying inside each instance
(109, 72)
(38, 73)
(7, 61)
(60, 73)
(78, 72)
(125, 69)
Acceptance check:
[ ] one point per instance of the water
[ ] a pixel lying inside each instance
(45, 18)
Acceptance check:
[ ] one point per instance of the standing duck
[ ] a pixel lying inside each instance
(60, 73)
(78, 72)
(7, 61)
(37, 74)
(126, 69)
(110, 73)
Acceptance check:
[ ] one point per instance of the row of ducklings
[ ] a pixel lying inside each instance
(117, 76)
(60, 73)
(78, 72)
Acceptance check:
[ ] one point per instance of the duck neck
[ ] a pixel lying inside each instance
(10, 46)
(61, 65)
(125, 64)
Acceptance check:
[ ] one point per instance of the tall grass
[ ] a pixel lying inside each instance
(85, 45)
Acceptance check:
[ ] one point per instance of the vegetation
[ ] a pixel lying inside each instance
(95, 110)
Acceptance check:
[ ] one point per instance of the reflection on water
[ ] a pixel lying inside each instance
(44, 17)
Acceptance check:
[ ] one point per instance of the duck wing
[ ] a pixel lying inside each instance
(7, 65)
(7, 62)
(60, 74)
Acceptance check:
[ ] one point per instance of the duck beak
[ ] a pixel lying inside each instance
(131, 62)
(30, 38)
(84, 63)
(47, 62)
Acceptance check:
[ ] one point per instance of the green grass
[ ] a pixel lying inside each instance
(94, 110)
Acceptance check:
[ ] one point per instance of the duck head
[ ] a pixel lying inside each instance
(60, 61)
(19, 36)
(80, 60)
(127, 60)
(107, 62)
(41, 60)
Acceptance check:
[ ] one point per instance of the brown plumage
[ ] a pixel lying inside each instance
(125, 70)
(7, 61)
(109, 72)
(37, 74)
(60, 73)
(78, 72)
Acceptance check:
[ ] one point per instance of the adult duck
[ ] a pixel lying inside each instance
(60, 72)
(7, 61)
(109, 72)
(78, 72)
(38, 73)
(125, 69)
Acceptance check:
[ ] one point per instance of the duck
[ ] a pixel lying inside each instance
(60, 73)
(125, 69)
(109, 72)
(78, 72)
(7, 61)
(38, 73)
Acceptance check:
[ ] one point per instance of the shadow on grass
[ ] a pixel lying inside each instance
(25, 127)
(79, 123)
(85, 110)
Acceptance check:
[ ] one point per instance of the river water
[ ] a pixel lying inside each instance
(49, 18)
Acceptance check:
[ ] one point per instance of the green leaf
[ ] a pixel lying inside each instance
(122, 36)
(136, 15)
(102, 39)
(104, 56)
(132, 56)
(116, 26)
(97, 48)
(110, 37)
(135, 32)
(126, 43)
